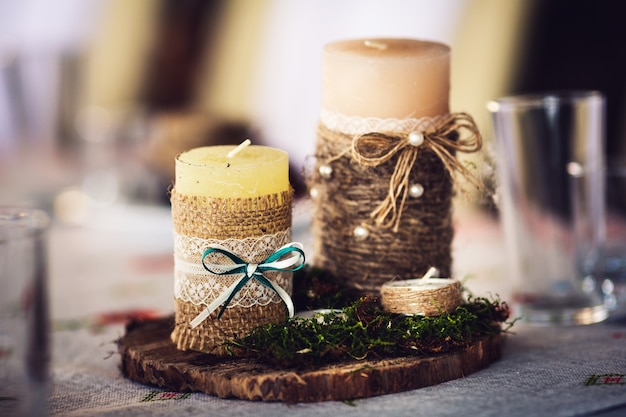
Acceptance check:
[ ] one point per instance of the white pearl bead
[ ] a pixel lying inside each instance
(416, 138)
(326, 171)
(416, 190)
(314, 193)
(360, 233)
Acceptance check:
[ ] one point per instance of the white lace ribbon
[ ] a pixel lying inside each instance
(356, 125)
(195, 285)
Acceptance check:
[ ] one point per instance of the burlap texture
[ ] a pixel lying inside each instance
(223, 218)
(231, 218)
(210, 335)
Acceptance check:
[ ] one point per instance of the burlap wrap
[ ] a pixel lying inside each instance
(423, 231)
(224, 218)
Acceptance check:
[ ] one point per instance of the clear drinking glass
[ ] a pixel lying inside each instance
(24, 325)
(551, 193)
(613, 257)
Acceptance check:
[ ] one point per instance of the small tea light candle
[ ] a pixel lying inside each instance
(428, 296)
(386, 78)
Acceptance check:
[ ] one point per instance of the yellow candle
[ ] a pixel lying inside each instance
(386, 78)
(236, 199)
(252, 171)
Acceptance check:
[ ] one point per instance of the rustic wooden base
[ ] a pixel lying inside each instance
(150, 357)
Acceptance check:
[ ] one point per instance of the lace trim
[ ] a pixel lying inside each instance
(196, 285)
(355, 125)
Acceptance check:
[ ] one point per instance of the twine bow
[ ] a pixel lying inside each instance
(288, 258)
(444, 136)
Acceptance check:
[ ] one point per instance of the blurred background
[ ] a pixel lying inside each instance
(98, 96)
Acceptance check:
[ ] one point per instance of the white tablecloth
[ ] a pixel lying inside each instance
(120, 264)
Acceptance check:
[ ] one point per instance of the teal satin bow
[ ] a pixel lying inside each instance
(288, 258)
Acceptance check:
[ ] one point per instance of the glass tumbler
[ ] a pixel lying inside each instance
(24, 325)
(613, 256)
(550, 167)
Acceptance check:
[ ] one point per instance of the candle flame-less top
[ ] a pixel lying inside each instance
(251, 172)
(386, 78)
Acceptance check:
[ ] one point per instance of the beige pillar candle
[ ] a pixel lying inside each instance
(382, 192)
(386, 78)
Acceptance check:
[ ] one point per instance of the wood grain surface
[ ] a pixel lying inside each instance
(149, 356)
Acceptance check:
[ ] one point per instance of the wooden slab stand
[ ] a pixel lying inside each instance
(148, 356)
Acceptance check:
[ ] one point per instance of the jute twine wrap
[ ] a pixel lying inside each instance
(368, 189)
(430, 296)
(224, 218)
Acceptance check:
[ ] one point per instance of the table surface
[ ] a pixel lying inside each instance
(119, 264)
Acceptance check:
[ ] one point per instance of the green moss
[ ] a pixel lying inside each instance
(363, 330)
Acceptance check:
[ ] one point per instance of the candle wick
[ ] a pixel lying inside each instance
(375, 44)
(431, 271)
(235, 151)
